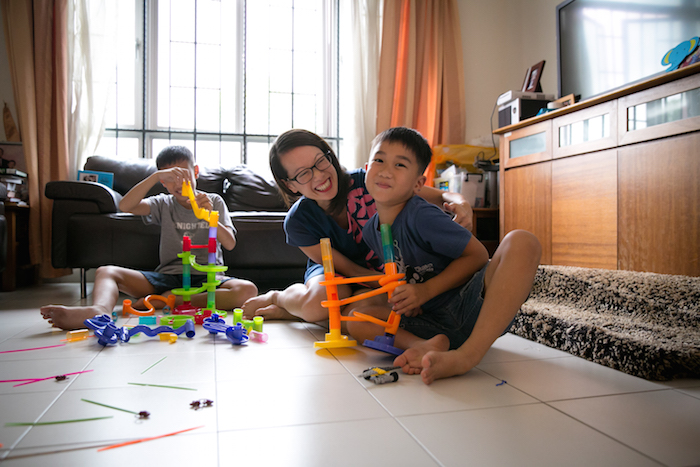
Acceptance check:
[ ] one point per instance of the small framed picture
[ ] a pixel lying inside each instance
(105, 178)
(532, 78)
(12, 157)
(564, 101)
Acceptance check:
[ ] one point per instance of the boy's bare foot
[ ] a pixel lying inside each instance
(265, 305)
(70, 317)
(411, 361)
(437, 365)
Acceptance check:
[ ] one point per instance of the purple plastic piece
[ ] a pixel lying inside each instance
(383, 343)
(237, 334)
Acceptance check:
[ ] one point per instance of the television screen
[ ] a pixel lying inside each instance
(607, 44)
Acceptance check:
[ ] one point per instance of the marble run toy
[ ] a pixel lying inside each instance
(108, 333)
(387, 282)
(189, 261)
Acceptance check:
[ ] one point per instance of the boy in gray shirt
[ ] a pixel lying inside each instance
(174, 214)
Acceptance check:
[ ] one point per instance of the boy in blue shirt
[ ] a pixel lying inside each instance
(456, 302)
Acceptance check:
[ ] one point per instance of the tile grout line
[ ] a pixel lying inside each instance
(51, 404)
(548, 404)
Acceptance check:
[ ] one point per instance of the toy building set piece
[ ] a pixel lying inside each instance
(387, 281)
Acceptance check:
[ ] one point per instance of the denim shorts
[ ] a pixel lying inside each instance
(457, 319)
(165, 282)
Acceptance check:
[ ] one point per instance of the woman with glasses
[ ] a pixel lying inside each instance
(330, 203)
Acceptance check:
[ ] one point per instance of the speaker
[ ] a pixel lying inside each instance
(518, 110)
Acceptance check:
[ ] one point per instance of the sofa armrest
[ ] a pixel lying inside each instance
(71, 198)
(104, 198)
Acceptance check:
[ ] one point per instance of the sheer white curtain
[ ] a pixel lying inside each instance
(366, 45)
(91, 64)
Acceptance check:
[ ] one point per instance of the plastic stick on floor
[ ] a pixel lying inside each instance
(109, 406)
(147, 439)
(153, 365)
(161, 386)
(33, 348)
(58, 422)
(36, 380)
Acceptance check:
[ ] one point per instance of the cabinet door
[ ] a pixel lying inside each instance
(527, 145)
(527, 203)
(659, 206)
(584, 210)
(666, 110)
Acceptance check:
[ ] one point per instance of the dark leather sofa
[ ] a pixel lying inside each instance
(89, 231)
(3, 228)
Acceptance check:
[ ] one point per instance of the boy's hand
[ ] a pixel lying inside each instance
(203, 201)
(407, 299)
(174, 175)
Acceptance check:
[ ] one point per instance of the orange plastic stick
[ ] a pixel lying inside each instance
(136, 441)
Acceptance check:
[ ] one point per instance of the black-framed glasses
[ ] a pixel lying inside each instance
(307, 174)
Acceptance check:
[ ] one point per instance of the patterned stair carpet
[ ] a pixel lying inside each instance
(643, 324)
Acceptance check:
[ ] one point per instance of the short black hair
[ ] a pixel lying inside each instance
(411, 139)
(173, 155)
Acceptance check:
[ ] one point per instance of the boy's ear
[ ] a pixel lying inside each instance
(196, 172)
(420, 182)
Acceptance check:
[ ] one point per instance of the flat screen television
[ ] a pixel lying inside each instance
(607, 44)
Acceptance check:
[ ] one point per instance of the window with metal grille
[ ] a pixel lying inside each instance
(223, 78)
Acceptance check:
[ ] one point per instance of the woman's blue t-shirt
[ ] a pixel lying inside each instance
(307, 223)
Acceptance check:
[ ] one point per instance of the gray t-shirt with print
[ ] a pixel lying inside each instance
(176, 221)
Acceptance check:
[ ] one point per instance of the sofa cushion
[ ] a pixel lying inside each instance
(249, 191)
(127, 172)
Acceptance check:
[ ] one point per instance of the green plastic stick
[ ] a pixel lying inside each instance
(161, 386)
(57, 422)
(153, 365)
(109, 406)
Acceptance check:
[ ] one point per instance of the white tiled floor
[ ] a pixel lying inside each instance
(284, 403)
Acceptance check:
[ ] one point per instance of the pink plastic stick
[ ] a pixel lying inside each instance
(35, 348)
(50, 377)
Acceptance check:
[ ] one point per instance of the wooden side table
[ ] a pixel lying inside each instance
(17, 244)
(485, 227)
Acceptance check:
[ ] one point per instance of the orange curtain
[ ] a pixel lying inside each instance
(36, 39)
(421, 75)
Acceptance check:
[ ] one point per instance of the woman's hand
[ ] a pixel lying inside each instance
(463, 213)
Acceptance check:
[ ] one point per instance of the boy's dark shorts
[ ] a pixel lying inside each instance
(165, 282)
(457, 319)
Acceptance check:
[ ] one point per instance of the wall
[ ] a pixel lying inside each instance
(5, 81)
(501, 39)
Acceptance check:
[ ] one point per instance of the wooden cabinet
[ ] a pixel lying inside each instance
(613, 182)
(528, 195)
(584, 210)
(659, 206)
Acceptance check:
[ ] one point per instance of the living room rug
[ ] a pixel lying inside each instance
(643, 324)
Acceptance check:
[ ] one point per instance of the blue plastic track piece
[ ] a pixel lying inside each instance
(383, 343)
(106, 331)
(187, 328)
(215, 324)
(237, 334)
